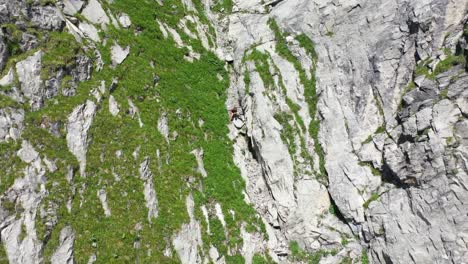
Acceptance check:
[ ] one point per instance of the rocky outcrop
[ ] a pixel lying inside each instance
(47, 17)
(348, 126)
(18, 227)
(188, 240)
(150, 193)
(64, 252)
(276, 152)
(29, 76)
(44, 17)
(89, 31)
(78, 125)
(125, 21)
(11, 123)
(71, 7)
(119, 54)
(8, 79)
(163, 126)
(198, 153)
(113, 106)
(94, 12)
(429, 201)
(133, 111)
(360, 88)
(102, 195)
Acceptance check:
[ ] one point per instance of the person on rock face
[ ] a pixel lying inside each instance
(233, 113)
(235, 118)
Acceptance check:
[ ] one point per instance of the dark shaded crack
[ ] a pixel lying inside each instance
(354, 7)
(389, 176)
(252, 149)
(387, 258)
(336, 210)
(405, 138)
(422, 217)
(255, 152)
(273, 3)
(413, 26)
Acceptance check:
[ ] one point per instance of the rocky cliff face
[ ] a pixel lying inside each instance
(232, 131)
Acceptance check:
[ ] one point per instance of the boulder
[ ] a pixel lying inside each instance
(71, 7)
(125, 21)
(119, 54)
(95, 13)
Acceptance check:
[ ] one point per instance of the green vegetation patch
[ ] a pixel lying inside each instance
(300, 255)
(364, 257)
(373, 197)
(60, 51)
(223, 6)
(11, 164)
(186, 92)
(450, 61)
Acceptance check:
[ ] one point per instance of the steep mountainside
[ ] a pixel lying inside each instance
(233, 131)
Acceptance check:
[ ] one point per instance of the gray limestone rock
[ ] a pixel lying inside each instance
(163, 126)
(82, 69)
(393, 134)
(367, 52)
(27, 192)
(102, 195)
(113, 106)
(12, 10)
(198, 153)
(149, 191)
(64, 252)
(28, 42)
(8, 78)
(188, 240)
(11, 124)
(133, 111)
(89, 31)
(125, 21)
(47, 17)
(95, 13)
(445, 115)
(71, 7)
(29, 76)
(79, 122)
(119, 54)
